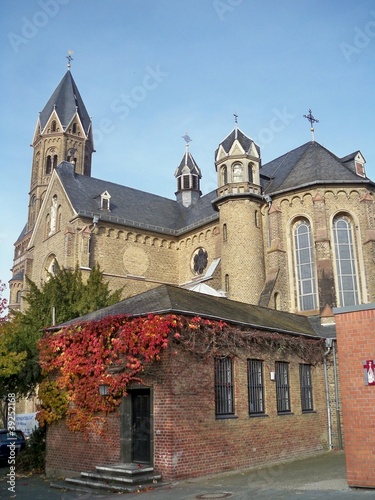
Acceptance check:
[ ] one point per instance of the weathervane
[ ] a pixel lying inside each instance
(312, 120)
(187, 139)
(69, 57)
(236, 124)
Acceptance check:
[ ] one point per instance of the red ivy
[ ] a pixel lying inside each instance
(113, 350)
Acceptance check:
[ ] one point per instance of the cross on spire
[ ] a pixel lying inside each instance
(312, 120)
(69, 57)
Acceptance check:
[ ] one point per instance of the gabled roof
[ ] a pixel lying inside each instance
(66, 100)
(133, 207)
(168, 299)
(310, 163)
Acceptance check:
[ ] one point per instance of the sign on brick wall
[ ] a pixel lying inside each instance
(369, 372)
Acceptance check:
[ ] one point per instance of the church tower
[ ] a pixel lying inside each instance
(240, 202)
(63, 133)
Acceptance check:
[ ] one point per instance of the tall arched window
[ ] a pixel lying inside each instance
(346, 273)
(48, 164)
(250, 172)
(305, 266)
(237, 172)
(53, 126)
(224, 175)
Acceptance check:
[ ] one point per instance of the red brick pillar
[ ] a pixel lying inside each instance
(355, 328)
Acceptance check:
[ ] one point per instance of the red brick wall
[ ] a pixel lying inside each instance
(189, 441)
(202, 444)
(70, 452)
(356, 343)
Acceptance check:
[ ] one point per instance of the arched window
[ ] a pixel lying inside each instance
(54, 161)
(276, 301)
(53, 126)
(227, 282)
(250, 173)
(305, 266)
(48, 164)
(224, 175)
(225, 232)
(237, 172)
(18, 297)
(346, 273)
(74, 128)
(47, 225)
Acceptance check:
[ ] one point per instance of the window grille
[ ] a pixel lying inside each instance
(255, 385)
(306, 387)
(224, 389)
(282, 387)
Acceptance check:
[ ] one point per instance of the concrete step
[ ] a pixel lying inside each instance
(120, 478)
(128, 469)
(144, 478)
(104, 486)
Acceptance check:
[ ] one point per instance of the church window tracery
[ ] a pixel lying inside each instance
(199, 260)
(305, 265)
(345, 263)
(237, 172)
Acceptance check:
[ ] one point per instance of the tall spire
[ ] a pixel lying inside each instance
(235, 124)
(188, 176)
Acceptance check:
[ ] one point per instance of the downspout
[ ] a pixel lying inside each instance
(337, 400)
(329, 346)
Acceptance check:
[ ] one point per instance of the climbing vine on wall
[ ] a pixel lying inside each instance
(117, 350)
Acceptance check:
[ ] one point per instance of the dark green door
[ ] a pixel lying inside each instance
(141, 439)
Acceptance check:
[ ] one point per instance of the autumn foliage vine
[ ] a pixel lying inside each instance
(117, 350)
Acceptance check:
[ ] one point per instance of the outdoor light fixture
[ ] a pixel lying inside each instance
(103, 389)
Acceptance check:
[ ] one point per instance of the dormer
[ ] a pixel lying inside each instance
(188, 177)
(356, 163)
(237, 162)
(104, 201)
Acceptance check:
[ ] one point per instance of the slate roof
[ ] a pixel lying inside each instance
(168, 299)
(308, 164)
(245, 141)
(133, 207)
(188, 161)
(67, 100)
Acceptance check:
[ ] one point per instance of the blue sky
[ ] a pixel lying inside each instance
(150, 70)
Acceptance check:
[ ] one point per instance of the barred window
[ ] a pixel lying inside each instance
(255, 385)
(282, 387)
(306, 387)
(224, 389)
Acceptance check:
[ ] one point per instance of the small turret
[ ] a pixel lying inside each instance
(237, 162)
(188, 177)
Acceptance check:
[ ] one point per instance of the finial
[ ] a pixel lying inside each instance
(312, 120)
(69, 57)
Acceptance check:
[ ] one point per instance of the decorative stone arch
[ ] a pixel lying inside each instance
(138, 238)
(130, 236)
(147, 240)
(120, 235)
(172, 245)
(201, 237)
(111, 233)
(208, 233)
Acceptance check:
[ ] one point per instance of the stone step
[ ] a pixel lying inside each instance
(144, 478)
(128, 469)
(86, 483)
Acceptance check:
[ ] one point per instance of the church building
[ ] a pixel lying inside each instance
(296, 234)
(282, 243)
